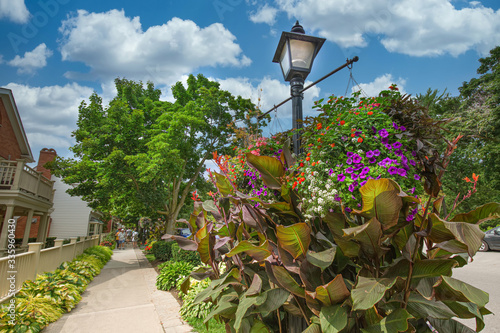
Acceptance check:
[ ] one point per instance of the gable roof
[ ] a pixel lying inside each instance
(17, 125)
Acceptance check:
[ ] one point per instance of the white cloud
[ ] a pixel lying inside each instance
(32, 60)
(49, 114)
(268, 92)
(264, 14)
(14, 10)
(416, 28)
(383, 82)
(112, 45)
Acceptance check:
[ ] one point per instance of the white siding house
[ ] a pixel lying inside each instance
(71, 216)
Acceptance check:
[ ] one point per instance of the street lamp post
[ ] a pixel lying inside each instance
(295, 54)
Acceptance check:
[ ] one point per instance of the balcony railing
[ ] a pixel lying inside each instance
(16, 175)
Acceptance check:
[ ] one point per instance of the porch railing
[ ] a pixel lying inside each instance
(16, 175)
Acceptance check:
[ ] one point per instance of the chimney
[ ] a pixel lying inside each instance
(46, 155)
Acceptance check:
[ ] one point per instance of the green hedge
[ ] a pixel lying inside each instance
(46, 299)
(179, 254)
(162, 250)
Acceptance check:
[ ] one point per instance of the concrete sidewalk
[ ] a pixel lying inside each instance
(123, 298)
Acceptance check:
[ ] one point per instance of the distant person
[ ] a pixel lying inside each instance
(122, 236)
(135, 237)
(117, 238)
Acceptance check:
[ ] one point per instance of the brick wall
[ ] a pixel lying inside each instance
(9, 147)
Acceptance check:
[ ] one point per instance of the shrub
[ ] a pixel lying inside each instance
(171, 272)
(162, 250)
(103, 253)
(189, 308)
(179, 254)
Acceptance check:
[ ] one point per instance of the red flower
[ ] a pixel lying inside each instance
(342, 122)
(195, 197)
(370, 113)
(332, 145)
(308, 158)
(360, 140)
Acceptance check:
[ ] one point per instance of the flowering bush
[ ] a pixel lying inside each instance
(353, 141)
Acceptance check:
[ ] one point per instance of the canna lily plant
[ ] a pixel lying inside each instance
(383, 266)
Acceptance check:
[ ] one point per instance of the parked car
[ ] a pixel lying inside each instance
(491, 240)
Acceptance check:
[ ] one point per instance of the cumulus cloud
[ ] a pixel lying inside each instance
(416, 28)
(268, 92)
(32, 60)
(14, 10)
(265, 14)
(380, 83)
(112, 44)
(49, 114)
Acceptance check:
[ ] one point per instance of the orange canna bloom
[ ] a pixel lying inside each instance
(332, 145)
(467, 180)
(475, 177)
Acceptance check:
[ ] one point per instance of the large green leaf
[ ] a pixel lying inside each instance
(259, 253)
(333, 318)
(295, 238)
(333, 292)
(271, 169)
(276, 297)
(245, 303)
(206, 249)
(313, 328)
(449, 325)
(369, 291)
(368, 235)
(223, 184)
(467, 310)
(452, 289)
(421, 307)
(322, 259)
(259, 327)
(477, 216)
(396, 321)
(287, 281)
(381, 200)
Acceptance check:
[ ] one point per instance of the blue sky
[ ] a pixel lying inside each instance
(55, 53)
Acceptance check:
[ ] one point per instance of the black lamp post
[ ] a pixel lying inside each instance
(295, 54)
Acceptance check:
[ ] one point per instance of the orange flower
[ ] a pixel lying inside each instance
(308, 154)
(370, 113)
(475, 177)
(319, 126)
(319, 139)
(313, 163)
(467, 180)
(308, 159)
(332, 145)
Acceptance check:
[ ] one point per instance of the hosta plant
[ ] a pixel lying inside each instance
(383, 266)
(171, 272)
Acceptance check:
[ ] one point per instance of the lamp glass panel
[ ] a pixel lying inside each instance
(302, 53)
(285, 61)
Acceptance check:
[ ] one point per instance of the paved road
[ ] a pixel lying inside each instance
(123, 299)
(484, 273)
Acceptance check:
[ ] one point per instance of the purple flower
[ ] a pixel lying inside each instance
(374, 130)
(388, 146)
(351, 187)
(359, 166)
(414, 153)
(410, 218)
(356, 158)
(265, 192)
(350, 154)
(369, 154)
(349, 170)
(398, 152)
(348, 210)
(372, 160)
(376, 152)
(402, 172)
(280, 151)
(340, 177)
(349, 160)
(337, 198)
(359, 205)
(412, 162)
(396, 145)
(416, 177)
(383, 133)
(402, 128)
(395, 126)
(357, 133)
(354, 176)
(404, 159)
(412, 190)
(330, 172)
(384, 140)
(363, 183)
(365, 170)
(393, 170)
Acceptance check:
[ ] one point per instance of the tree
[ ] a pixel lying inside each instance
(475, 114)
(142, 156)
